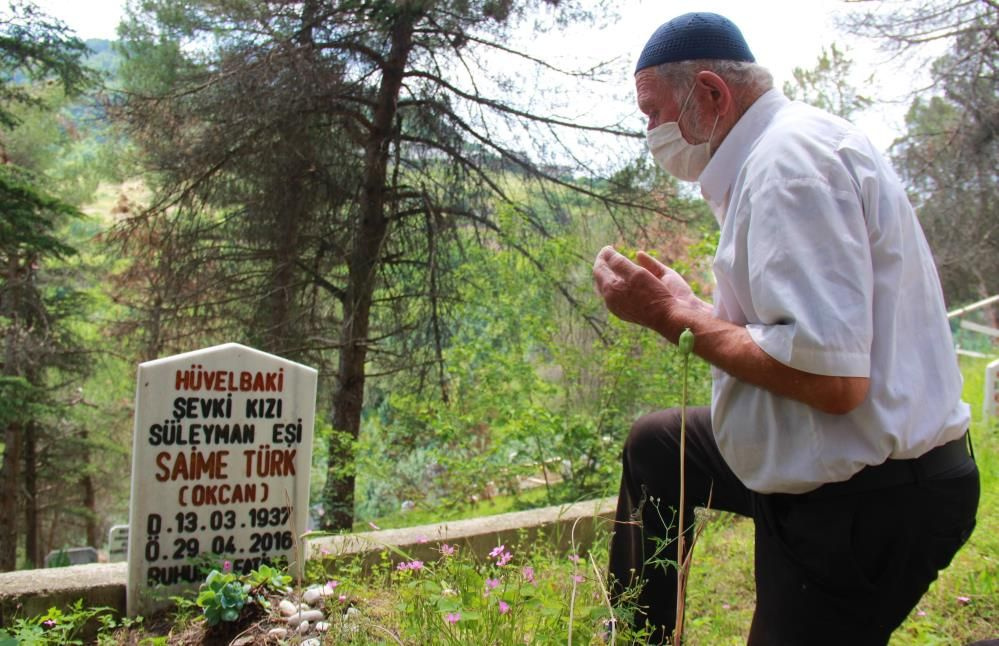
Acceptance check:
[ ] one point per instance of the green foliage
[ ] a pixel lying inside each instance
(533, 391)
(267, 579)
(828, 84)
(58, 627)
(30, 216)
(222, 597)
(35, 47)
(530, 594)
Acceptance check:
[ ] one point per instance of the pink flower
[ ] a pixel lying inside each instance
(448, 550)
(921, 613)
(452, 617)
(373, 526)
(528, 573)
(492, 584)
(48, 623)
(504, 558)
(226, 566)
(574, 558)
(497, 551)
(504, 607)
(577, 578)
(964, 600)
(342, 598)
(328, 588)
(410, 565)
(324, 552)
(421, 539)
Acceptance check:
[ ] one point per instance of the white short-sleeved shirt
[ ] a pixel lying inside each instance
(822, 258)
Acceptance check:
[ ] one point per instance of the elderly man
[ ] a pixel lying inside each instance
(836, 419)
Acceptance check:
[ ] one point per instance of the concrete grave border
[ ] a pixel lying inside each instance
(28, 593)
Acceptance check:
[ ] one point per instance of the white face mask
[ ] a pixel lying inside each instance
(672, 152)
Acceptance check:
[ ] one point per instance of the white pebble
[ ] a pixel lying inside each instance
(303, 628)
(322, 626)
(304, 616)
(277, 633)
(287, 608)
(314, 641)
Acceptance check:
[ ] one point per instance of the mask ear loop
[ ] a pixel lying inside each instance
(712, 133)
(683, 109)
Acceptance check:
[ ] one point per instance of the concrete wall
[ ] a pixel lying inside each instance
(570, 527)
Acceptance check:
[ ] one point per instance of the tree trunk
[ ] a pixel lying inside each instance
(369, 235)
(32, 547)
(9, 485)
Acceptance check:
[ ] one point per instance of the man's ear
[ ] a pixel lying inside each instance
(717, 91)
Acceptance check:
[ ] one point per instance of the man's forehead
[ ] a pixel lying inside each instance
(649, 86)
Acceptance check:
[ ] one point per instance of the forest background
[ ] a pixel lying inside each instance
(362, 187)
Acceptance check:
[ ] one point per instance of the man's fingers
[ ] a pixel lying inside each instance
(618, 263)
(651, 264)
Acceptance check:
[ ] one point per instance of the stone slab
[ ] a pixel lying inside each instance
(71, 556)
(27, 593)
(567, 527)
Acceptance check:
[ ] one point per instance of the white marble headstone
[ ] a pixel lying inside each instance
(221, 455)
(991, 399)
(118, 543)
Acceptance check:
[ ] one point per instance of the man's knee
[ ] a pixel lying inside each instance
(652, 434)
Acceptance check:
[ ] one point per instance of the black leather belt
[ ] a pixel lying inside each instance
(893, 473)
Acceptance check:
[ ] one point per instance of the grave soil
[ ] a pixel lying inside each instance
(251, 628)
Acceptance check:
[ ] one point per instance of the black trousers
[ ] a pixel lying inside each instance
(842, 569)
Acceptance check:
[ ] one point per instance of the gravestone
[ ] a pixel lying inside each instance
(221, 459)
(118, 543)
(71, 556)
(991, 399)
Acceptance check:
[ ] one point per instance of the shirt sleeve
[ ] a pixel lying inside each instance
(811, 276)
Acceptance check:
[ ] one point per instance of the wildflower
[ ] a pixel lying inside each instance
(373, 526)
(504, 607)
(410, 565)
(328, 588)
(577, 578)
(421, 539)
(497, 551)
(504, 558)
(492, 584)
(226, 566)
(452, 617)
(964, 600)
(574, 558)
(342, 598)
(921, 613)
(447, 550)
(726, 606)
(528, 573)
(48, 623)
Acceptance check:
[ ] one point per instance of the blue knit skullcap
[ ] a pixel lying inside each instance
(695, 36)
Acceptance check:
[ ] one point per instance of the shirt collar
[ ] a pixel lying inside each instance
(718, 176)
